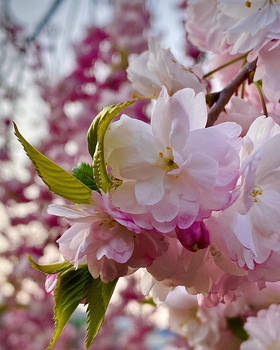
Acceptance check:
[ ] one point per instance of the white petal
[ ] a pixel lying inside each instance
(188, 213)
(161, 118)
(243, 231)
(270, 158)
(125, 132)
(150, 191)
(203, 170)
(67, 211)
(143, 80)
(133, 163)
(261, 130)
(166, 209)
(194, 106)
(124, 198)
(76, 229)
(266, 212)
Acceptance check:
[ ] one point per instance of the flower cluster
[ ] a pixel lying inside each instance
(192, 195)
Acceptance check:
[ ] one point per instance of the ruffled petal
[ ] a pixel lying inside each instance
(150, 191)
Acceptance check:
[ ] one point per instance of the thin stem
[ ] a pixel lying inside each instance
(259, 89)
(236, 59)
(244, 82)
(228, 91)
(54, 6)
(243, 89)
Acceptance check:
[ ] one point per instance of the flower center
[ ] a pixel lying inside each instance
(167, 159)
(248, 3)
(257, 191)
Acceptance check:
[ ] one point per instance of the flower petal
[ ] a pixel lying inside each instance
(150, 191)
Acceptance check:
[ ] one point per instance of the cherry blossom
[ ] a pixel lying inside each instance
(105, 238)
(199, 326)
(252, 221)
(167, 180)
(254, 23)
(240, 111)
(208, 35)
(152, 69)
(263, 330)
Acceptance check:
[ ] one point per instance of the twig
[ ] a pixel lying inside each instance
(54, 6)
(228, 91)
(236, 59)
(259, 89)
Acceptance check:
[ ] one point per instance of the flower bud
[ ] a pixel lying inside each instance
(195, 237)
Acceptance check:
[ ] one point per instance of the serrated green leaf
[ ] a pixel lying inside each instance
(50, 269)
(98, 298)
(96, 135)
(71, 288)
(236, 325)
(84, 173)
(57, 179)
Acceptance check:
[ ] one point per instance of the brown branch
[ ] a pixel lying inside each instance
(228, 91)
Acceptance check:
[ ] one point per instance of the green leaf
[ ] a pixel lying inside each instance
(236, 325)
(57, 179)
(84, 173)
(96, 135)
(98, 298)
(71, 288)
(50, 269)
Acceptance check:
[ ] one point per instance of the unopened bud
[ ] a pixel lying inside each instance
(195, 237)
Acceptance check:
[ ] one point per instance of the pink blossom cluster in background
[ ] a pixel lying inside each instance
(196, 209)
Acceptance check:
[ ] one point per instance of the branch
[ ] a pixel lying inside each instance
(54, 6)
(228, 91)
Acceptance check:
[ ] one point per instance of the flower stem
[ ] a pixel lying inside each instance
(236, 59)
(259, 89)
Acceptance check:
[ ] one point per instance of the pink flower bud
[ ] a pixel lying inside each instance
(195, 237)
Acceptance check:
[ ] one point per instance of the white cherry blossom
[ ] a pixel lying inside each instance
(152, 69)
(263, 330)
(252, 23)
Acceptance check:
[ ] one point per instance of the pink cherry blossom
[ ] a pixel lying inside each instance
(105, 238)
(174, 171)
(252, 222)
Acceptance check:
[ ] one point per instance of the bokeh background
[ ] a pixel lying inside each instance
(60, 62)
